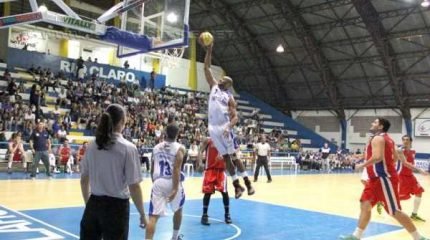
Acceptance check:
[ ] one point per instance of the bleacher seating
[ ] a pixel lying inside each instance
(245, 106)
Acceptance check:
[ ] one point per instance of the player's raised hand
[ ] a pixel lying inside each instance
(206, 40)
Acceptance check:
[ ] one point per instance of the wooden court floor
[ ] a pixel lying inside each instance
(335, 194)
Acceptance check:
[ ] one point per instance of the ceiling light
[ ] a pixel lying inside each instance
(172, 18)
(280, 49)
(425, 3)
(43, 8)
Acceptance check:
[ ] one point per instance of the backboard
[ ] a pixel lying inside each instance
(165, 22)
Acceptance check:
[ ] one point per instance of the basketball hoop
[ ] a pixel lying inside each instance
(171, 57)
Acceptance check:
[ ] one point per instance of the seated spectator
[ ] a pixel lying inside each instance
(65, 156)
(193, 154)
(67, 121)
(62, 134)
(16, 152)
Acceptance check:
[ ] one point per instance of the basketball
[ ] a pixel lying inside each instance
(206, 38)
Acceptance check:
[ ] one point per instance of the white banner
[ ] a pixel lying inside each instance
(34, 40)
(422, 127)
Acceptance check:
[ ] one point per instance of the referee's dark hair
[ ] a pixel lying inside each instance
(109, 121)
(172, 131)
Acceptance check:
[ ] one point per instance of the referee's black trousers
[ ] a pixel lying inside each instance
(105, 217)
(262, 161)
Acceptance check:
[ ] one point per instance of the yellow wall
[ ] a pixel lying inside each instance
(113, 60)
(192, 76)
(117, 20)
(64, 48)
(156, 65)
(6, 9)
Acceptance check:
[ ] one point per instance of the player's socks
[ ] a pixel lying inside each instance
(414, 216)
(417, 236)
(234, 177)
(226, 202)
(175, 234)
(206, 201)
(358, 233)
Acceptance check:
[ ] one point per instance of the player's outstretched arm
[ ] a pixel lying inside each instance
(208, 62)
(398, 154)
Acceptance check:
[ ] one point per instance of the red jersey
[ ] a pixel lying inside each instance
(386, 167)
(410, 158)
(213, 159)
(65, 154)
(16, 156)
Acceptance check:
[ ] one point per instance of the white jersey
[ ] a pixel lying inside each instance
(218, 107)
(164, 156)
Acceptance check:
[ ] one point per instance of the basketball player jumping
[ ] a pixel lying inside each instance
(222, 118)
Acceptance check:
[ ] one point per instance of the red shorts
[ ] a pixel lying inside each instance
(64, 160)
(408, 185)
(214, 179)
(383, 189)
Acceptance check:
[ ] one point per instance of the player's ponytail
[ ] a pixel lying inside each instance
(108, 123)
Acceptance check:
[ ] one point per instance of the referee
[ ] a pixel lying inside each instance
(263, 154)
(40, 146)
(110, 174)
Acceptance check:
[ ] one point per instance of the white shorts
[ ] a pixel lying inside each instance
(161, 190)
(364, 175)
(224, 145)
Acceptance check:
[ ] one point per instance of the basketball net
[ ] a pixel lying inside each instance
(171, 57)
